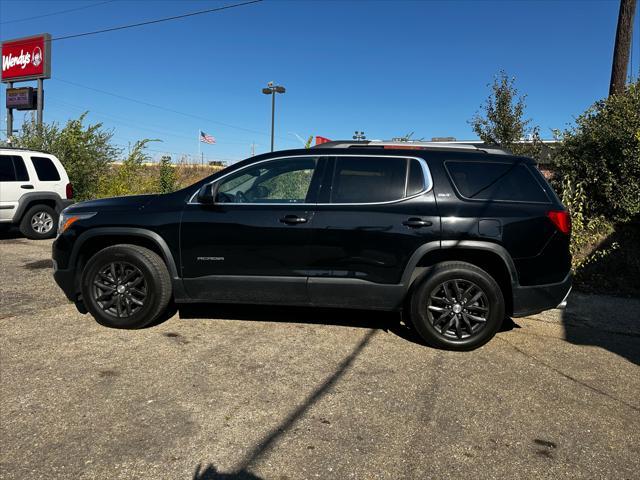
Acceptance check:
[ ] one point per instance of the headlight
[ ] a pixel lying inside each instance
(68, 219)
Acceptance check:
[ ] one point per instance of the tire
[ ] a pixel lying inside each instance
(126, 286)
(39, 222)
(447, 306)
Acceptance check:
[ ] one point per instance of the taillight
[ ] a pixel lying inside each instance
(69, 191)
(561, 219)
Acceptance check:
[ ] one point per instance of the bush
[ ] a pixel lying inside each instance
(167, 181)
(127, 179)
(602, 155)
(85, 151)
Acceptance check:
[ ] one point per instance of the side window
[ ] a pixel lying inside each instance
(279, 181)
(496, 181)
(45, 169)
(12, 169)
(415, 181)
(368, 179)
(7, 172)
(21, 169)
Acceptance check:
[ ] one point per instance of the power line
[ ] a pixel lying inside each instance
(59, 12)
(166, 109)
(139, 126)
(151, 22)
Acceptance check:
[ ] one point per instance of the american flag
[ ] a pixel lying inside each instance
(207, 138)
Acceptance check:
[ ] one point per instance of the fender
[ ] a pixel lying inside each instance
(35, 196)
(129, 231)
(409, 273)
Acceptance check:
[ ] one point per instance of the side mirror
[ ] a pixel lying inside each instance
(207, 194)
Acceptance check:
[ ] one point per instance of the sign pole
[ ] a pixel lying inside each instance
(9, 119)
(40, 102)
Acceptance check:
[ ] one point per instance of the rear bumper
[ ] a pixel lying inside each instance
(62, 204)
(535, 299)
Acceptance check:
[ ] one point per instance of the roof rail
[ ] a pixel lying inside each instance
(472, 146)
(5, 147)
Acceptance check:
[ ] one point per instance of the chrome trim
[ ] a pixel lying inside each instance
(563, 304)
(423, 163)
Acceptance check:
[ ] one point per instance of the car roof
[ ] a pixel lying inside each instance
(21, 149)
(446, 153)
(416, 145)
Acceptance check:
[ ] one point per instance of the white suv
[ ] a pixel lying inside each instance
(34, 188)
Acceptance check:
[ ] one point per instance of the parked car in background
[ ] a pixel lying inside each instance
(34, 189)
(456, 236)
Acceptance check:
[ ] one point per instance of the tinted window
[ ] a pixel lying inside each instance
(368, 179)
(21, 170)
(12, 169)
(415, 182)
(279, 181)
(7, 172)
(496, 181)
(45, 169)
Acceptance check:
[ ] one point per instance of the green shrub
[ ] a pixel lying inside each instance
(85, 151)
(167, 181)
(128, 178)
(601, 154)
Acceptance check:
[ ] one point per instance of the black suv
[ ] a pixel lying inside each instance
(456, 236)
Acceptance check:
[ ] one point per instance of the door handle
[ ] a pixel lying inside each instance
(415, 222)
(27, 187)
(293, 219)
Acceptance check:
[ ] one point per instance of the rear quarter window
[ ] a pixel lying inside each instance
(496, 181)
(45, 169)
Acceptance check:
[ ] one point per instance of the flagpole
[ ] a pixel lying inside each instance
(199, 142)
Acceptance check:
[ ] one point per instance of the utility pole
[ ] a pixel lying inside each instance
(622, 46)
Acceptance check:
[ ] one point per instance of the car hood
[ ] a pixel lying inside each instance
(130, 202)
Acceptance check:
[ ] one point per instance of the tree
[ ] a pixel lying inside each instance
(502, 121)
(167, 175)
(85, 151)
(601, 155)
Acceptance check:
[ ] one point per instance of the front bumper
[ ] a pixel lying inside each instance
(66, 280)
(535, 299)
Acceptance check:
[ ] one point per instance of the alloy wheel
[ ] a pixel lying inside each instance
(458, 309)
(41, 222)
(119, 289)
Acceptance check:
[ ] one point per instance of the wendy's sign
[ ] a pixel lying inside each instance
(26, 58)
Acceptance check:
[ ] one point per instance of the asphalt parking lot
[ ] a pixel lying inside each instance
(262, 393)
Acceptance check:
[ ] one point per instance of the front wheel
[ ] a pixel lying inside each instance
(126, 286)
(457, 307)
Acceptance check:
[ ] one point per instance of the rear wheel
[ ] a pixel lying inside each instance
(458, 306)
(126, 286)
(40, 222)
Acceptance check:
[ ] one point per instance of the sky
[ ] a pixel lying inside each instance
(387, 68)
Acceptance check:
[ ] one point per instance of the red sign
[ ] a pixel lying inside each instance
(26, 58)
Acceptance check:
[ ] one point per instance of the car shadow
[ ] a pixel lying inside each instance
(389, 322)
(611, 323)
(9, 233)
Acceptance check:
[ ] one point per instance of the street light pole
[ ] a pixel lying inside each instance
(273, 115)
(272, 89)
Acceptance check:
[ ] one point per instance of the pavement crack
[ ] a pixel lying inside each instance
(569, 377)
